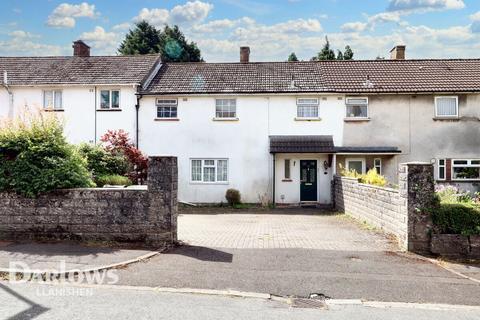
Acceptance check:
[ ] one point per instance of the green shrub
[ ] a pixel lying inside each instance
(371, 177)
(100, 162)
(457, 218)
(113, 180)
(35, 158)
(233, 197)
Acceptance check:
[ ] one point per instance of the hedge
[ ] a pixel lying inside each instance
(457, 218)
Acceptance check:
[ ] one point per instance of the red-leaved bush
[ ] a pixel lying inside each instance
(118, 142)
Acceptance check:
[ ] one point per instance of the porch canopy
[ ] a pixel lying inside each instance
(321, 144)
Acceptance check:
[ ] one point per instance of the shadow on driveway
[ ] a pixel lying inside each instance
(202, 253)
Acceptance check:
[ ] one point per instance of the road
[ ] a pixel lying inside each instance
(32, 301)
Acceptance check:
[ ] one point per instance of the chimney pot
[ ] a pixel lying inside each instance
(80, 49)
(398, 53)
(244, 54)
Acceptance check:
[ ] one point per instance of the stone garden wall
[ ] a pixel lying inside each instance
(147, 216)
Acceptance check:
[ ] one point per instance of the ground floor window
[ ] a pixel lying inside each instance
(377, 164)
(441, 169)
(287, 169)
(209, 170)
(357, 164)
(465, 169)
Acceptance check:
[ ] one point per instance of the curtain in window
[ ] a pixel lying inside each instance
(446, 106)
(48, 99)
(222, 170)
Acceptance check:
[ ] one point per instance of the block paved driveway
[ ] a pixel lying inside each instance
(284, 228)
(296, 253)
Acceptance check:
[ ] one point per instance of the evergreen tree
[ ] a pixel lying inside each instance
(340, 55)
(292, 57)
(348, 53)
(326, 53)
(143, 39)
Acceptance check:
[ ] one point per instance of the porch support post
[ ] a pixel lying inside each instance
(273, 193)
(334, 165)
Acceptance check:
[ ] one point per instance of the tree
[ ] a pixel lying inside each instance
(175, 48)
(170, 43)
(292, 57)
(348, 53)
(340, 55)
(326, 53)
(143, 39)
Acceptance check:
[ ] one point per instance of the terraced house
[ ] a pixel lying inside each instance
(276, 131)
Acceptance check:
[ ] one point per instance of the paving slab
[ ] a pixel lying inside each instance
(50, 256)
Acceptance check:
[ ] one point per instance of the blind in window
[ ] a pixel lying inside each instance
(446, 106)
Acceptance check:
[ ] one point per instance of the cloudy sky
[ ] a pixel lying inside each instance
(272, 28)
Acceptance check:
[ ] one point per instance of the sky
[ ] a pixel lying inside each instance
(272, 28)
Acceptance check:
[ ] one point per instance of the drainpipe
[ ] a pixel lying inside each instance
(10, 94)
(273, 201)
(137, 110)
(95, 110)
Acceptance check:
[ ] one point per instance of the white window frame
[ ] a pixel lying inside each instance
(222, 117)
(216, 160)
(468, 165)
(110, 101)
(442, 166)
(347, 104)
(347, 160)
(54, 95)
(160, 104)
(301, 102)
(449, 116)
(378, 167)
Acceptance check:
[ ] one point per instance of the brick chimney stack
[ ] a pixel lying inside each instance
(244, 54)
(397, 53)
(80, 49)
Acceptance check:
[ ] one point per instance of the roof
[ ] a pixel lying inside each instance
(77, 70)
(354, 76)
(301, 144)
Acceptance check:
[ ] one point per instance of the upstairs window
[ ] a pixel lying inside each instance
(109, 99)
(446, 107)
(52, 99)
(307, 107)
(466, 169)
(226, 108)
(357, 107)
(167, 108)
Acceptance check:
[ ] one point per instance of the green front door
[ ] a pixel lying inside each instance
(308, 180)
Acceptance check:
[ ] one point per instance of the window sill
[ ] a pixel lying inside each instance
(359, 119)
(225, 119)
(463, 180)
(446, 119)
(208, 183)
(54, 110)
(109, 110)
(287, 180)
(308, 119)
(166, 119)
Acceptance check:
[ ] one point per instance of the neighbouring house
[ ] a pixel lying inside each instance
(281, 130)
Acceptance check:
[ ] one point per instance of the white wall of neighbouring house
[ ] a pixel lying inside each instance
(80, 104)
(4, 103)
(245, 143)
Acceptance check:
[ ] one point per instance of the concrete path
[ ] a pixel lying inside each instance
(29, 301)
(48, 256)
(285, 228)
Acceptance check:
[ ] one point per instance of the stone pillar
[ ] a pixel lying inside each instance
(416, 183)
(162, 185)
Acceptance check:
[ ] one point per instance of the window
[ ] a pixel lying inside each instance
(307, 108)
(377, 164)
(287, 169)
(226, 108)
(52, 99)
(109, 99)
(446, 106)
(466, 169)
(357, 107)
(166, 108)
(357, 164)
(441, 169)
(209, 170)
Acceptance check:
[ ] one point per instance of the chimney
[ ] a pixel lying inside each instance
(244, 54)
(80, 49)
(397, 53)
